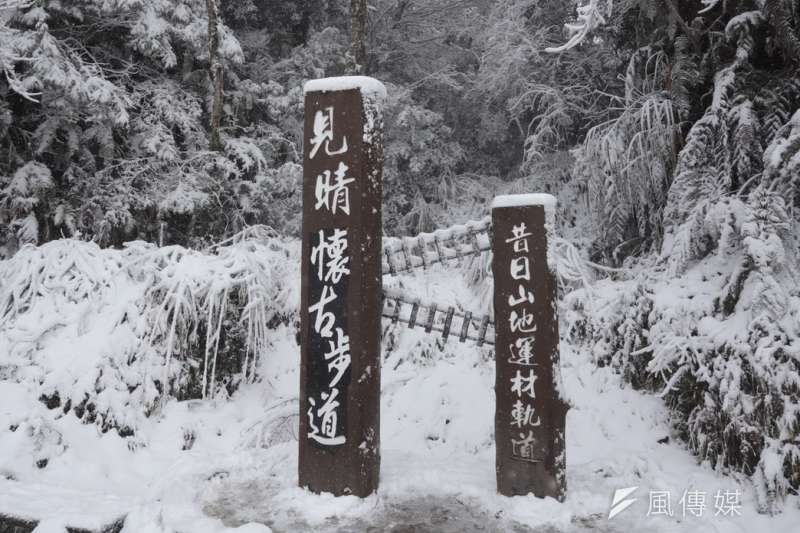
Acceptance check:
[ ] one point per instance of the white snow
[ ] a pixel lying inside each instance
(437, 408)
(518, 200)
(50, 526)
(368, 86)
(62, 505)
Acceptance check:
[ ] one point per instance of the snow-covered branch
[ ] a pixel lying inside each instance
(589, 18)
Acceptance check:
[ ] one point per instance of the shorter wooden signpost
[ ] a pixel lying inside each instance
(341, 286)
(530, 412)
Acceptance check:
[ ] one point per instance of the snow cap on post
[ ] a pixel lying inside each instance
(547, 201)
(369, 87)
(517, 200)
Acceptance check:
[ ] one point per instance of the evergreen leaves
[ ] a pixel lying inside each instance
(718, 335)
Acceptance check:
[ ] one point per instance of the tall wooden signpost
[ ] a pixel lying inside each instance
(530, 412)
(341, 286)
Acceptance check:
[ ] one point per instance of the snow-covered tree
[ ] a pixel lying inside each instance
(87, 91)
(699, 165)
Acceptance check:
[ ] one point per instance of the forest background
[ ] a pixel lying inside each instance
(668, 130)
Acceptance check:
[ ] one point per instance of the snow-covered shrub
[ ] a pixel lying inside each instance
(718, 341)
(111, 334)
(696, 175)
(613, 318)
(627, 163)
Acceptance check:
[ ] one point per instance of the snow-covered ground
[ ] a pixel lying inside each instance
(230, 465)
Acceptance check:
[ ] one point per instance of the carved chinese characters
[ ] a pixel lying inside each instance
(520, 351)
(530, 414)
(341, 296)
(328, 336)
(323, 133)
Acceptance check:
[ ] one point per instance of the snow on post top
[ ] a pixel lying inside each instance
(368, 86)
(517, 200)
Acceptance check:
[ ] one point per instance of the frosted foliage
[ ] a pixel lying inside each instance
(120, 136)
(782, 158)
(164, 112)
(48, 65)
(710, 324)
(627, 160)
(420, 168)
(723, 332)
(112, 333)
(184, 199)
(246, 154)
(590, 16)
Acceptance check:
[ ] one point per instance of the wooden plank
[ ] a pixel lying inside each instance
(465, 326)
(448, 321)
(431, 316)
(482, 330)
(412, 319)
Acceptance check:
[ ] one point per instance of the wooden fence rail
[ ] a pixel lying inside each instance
(431, 316)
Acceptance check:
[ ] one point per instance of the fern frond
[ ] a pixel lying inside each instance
(688, 242)
(684, 76)
(779, 16)
(782, 160)
(744, 146)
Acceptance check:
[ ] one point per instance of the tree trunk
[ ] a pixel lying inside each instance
(358, 48)
(215, 71)
(726, 303)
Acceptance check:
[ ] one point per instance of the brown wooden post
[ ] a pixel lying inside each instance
(530, 412)
(341, 286)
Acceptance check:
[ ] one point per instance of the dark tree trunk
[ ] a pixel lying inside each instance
(215, 70)
(358, 47)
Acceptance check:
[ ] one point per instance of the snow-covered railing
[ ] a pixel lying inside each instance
(455, 244)
(418, 313)
(446, 246)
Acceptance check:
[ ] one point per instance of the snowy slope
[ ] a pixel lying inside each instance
(227, 464)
